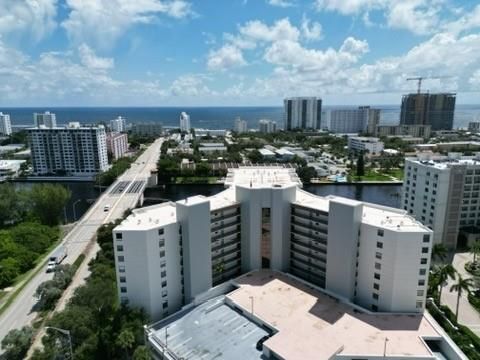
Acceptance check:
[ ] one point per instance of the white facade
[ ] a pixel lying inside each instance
(118, 125)
(365, 144)
(443, 192)
(46, 119)
(185, 122)
(240, 126)
(302, 113)
(117, 144)
(10, 168)
(267, 126)
(210, 132)
(147, 129)
(5, 124)
(348, 121)
(72, 150)
(264, 220)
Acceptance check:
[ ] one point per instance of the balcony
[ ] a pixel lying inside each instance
(317, 255)
(307, 265)
(310, 226)
(222, 254)
(224, 233)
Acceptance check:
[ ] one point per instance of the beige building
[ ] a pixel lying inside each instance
(117, 144)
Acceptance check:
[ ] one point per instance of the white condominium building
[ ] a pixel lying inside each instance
(147, 129)
(443, 192)
(47, 119)
(365, 144)
(5, 124)
(118, 125)
(71, 150)
(374, 256)
(302, 113)
(185, 125)
(267, 126)
(240, 126)
(349, 121)
(117, 144)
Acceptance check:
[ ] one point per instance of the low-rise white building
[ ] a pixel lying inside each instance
(240, 126)
(212, 147)
(10, 169)
(210, 132)
(370, 255)
(267, 154)
(267, 126)
(370, 145)
(147, 129)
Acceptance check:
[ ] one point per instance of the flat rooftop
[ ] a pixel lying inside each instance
(312, 325)
(444, 162)
(210, 331)
(149, 217)
(262, 176)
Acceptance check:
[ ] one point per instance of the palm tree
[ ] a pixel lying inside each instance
(439, 252)
(442, 273)
(475, 250)
(461, 286)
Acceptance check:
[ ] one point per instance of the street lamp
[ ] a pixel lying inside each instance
(74, 212)
(251, 298)
(64, 332)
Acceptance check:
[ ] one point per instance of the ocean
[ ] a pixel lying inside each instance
(202, 117)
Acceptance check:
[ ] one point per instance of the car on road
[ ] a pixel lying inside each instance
(56, 259)
(106, 207)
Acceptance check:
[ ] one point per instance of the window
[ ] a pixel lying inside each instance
(165, 304)
(123, 289)
(422, 271)
(119, 247)
(164, 293)
(423, 261)
(123, 279)
(161, 243)
(420, 292)
(375, 296)
(426, 238)
(164, 284)
(121, 259)
(118, 236)
(419, 304)
(374, 307)
(376, 286)
(379, 232)
(124, 300)
(163, 274)
(378, 266)
(121, 269)
(421, 282)
(162, 253)
(377, 276)
(424, 250)
(378, 255)
(379, 245)
(161, 231)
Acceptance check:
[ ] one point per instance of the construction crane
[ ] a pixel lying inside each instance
(421, 78)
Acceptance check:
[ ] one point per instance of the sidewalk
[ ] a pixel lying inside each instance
(467, 314)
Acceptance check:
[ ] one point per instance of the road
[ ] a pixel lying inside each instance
(467, 314)
(120, 196)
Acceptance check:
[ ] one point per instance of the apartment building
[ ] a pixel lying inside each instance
(349, 121)
(302, 113)
(47, 119)
(118, 125)
(240, 126)
(264, 220)
(370, 145)
(117, 144)
(71, 150)
(417, 131)
(5, 124)
(147, 129)
(443, 192)
(185, 125)
(267, 126)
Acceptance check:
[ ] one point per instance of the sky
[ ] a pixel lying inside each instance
(235, 52)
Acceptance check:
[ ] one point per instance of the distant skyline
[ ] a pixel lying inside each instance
(234, 52)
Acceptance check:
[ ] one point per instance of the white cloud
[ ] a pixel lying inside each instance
(280, 30)
(190, 85)
(311, 31)
(34, 16)
(90, 60)
(281, 3)
(418, 16)
(227, 56)
(101, 22)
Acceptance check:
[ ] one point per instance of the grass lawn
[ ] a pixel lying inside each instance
(371, 175)
(396, 173)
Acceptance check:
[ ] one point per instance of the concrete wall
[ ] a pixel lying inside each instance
(343, 225)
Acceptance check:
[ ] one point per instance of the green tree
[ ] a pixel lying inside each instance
(439, 252)
(48, 201)
(255, 156)
(17, 342)
(9, 270)
(141, 353)
(34, 236)
(306, 173)
(360, 166)
(441, 274)
(202, 169)
(475, 250)
(460, 286)
(125, 341)
(9, 204)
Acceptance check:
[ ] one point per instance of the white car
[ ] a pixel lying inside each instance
(51, 267)
(106, 208)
